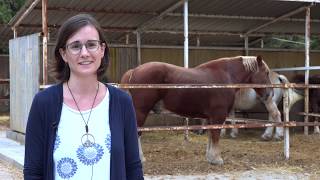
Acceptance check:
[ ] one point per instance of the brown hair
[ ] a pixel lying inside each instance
(68, 28)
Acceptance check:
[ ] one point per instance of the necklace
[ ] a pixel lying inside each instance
(87, 139)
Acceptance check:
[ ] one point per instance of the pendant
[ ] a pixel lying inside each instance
(87, 140)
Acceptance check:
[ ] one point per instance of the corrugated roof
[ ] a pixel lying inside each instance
(214, 22)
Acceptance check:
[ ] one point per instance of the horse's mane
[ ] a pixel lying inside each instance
(250, 63)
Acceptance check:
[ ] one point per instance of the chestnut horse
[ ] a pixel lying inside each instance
(213, 104)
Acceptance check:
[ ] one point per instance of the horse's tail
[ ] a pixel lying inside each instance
(294, 94)
(127, 78)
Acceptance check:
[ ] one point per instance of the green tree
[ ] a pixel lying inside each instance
(8, 8)
(291, 42)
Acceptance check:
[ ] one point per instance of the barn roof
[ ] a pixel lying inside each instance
(211, 22)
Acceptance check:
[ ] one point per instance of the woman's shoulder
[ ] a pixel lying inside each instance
(46, 94)
(115, 91)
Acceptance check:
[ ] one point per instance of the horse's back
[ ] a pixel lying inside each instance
(125, 79)
(151, 72)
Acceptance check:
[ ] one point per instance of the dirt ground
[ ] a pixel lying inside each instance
(8, 172)
(167, 153)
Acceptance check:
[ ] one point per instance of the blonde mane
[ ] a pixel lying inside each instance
(250, 63)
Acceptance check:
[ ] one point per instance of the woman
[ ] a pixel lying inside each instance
(81, 128)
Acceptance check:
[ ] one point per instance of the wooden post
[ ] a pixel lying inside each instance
(307, 63)
(44, 42)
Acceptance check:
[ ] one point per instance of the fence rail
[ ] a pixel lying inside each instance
(227, 126)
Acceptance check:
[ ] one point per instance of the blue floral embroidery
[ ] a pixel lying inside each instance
(108, 142)
(67, 167)
(57, 143)
(90, 155)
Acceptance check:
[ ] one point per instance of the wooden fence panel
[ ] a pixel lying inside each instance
(24, 78)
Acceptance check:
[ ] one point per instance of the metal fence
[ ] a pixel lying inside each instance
(286, 122)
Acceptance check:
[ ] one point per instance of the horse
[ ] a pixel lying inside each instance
(247, 98)
(314, 96)
(213, 104)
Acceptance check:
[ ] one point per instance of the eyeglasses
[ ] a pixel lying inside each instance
(76, 46)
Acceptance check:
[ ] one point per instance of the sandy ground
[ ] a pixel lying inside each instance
(168, 154)
(8, 172)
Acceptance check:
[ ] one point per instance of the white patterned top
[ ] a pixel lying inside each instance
(72, 159)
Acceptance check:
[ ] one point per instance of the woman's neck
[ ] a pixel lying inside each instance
(83, 86)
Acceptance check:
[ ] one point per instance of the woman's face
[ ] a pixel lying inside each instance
(83, 52)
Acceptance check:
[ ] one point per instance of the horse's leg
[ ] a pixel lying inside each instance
(316, 128)
(141, 116)
(142, 158)
(234, 131)
(142, 111)
(315, 108)
(213, 152)
(267, 135)
(223, 131)
(203, 123)
(274, 115)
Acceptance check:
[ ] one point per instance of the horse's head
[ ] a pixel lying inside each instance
(261, 76)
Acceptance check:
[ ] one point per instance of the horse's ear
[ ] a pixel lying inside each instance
(259, 60)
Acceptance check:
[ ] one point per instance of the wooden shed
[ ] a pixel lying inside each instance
(141, 31)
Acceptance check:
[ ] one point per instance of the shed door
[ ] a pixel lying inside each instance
(24, 55)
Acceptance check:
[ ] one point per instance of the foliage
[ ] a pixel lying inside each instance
(8, 8)
(291, 42)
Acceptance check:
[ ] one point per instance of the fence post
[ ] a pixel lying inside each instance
(286, 119)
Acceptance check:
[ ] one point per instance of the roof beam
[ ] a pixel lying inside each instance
(24, 14)
(257, 40)
(104, 28)
(151, 13)
(213, 16)
(132, 29)
(311, 1)
(160, 16)
(276, 19)
(110, 12)
(224, 33)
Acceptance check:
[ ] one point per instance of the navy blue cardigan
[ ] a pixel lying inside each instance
(42, 125)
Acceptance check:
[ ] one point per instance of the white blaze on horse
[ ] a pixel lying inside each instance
(247, 99)
(213, 104)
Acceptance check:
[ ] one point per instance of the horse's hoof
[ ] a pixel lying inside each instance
(198, 132)
(217, 161)
(223, 133)
(278, 138)
(234, 135)
(266, 137)
(214, 160)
